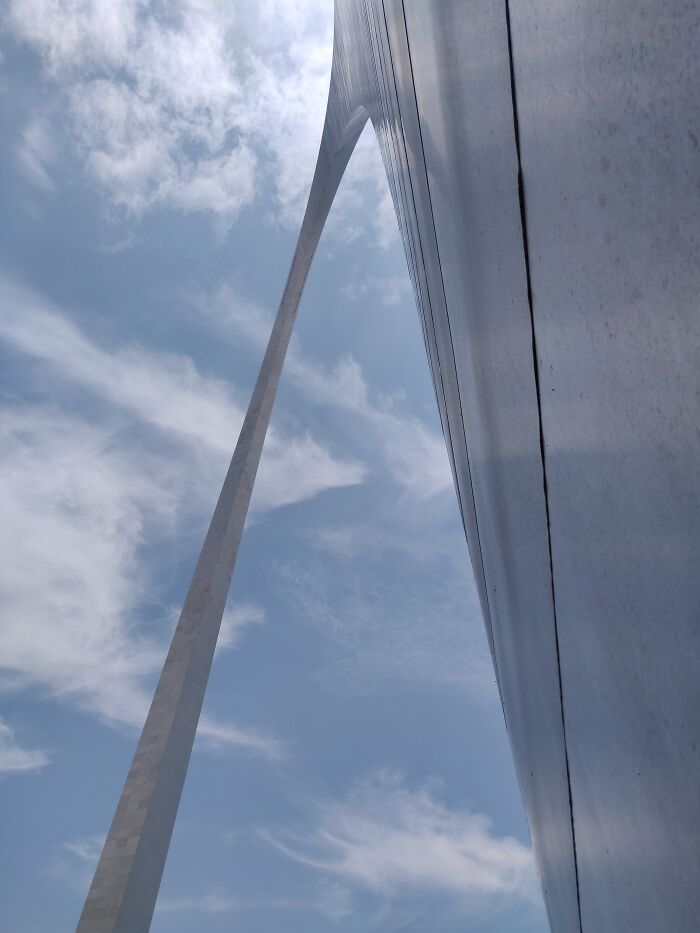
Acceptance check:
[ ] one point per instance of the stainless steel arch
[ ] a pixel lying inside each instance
(543, 161)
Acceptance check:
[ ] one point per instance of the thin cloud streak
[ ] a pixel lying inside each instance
(415, 456)
(387, 838)
(35, 153)
(86, 498)
(332, 901)
(393, 600)
(76, 513)
(75, 862)
(169, 392)
(14, 758)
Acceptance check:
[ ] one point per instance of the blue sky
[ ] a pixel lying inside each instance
(352, 770)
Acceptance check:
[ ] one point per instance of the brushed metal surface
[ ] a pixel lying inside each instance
(609, 102)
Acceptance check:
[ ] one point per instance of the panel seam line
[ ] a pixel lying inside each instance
(526, 255)
(449, 329)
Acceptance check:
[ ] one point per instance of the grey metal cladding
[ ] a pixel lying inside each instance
(609, 133)
(543, 159)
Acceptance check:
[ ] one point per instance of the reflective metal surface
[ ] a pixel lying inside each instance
(608, 97)
(545, 167)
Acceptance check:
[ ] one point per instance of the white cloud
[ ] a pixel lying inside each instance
(35, 153)
(168, 391)
(235, 621)
(76, 861)
(214, 735)
(168, 103)
(140, 158)
(77, 512)
(76, 35)
(364, 197)
(152, 101)
(194, 104)
(14, 758)
(415, 455)
(389, 839)
(390, 289)
(88, 499)
(87, 849)
(73, 518)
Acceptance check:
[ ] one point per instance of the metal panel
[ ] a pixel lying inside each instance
(561, 324)
(460, 67)
(608, 99)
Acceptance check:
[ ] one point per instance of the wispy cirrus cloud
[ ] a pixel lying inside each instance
(236, 621)
(393, 840)
(415, 455)
(364, 199)
(88, 494)
(15, 758)
(394, 600)
(170, 393)
(390, 289)
(75, 861)
(332, 901)
(392, 595)
(78, 509)
(35, 154)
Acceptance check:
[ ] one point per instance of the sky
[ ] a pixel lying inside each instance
(351, 770)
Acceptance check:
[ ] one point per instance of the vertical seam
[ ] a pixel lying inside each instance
(535, 362)
(454, 364)
(422, 285)
(398, 184)
(400, 195)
